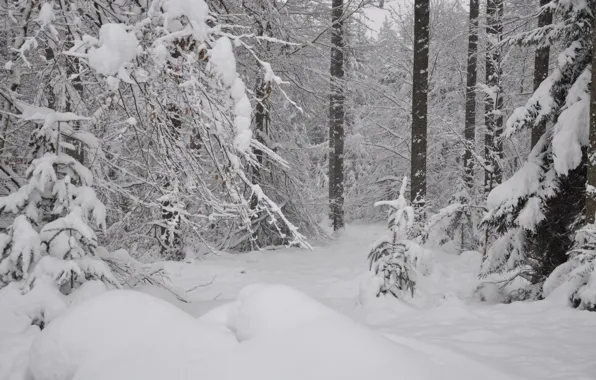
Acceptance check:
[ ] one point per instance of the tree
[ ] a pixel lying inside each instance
(541, 63)
(336, 117)
(470, 126)
(393, 260)
(174, 121)
(590, 213)
(537, 211)
(420, 101)
(51, 240)
(493, 106)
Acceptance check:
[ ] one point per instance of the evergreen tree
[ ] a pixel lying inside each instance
(578, 274)
(391, 259)
(536, 212)
(51, 237)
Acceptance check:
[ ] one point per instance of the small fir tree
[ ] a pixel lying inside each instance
(389, 258)
(51, 237)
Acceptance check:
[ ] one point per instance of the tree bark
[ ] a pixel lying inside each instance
(590, 209)
(493, 106)
(541, 60)
(470, 126)
(420, 101)
(336, 117)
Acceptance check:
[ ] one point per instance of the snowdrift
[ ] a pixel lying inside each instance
(271, 332)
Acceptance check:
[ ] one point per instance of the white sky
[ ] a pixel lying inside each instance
(377, 15)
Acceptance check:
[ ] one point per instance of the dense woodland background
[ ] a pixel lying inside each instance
(484, 105)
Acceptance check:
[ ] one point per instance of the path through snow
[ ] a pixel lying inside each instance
(536, 340)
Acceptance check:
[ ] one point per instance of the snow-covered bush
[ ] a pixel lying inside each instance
(51, 237)
(577, 277)
(390, 258)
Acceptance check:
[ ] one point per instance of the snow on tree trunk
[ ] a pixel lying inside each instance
(336, 117)
(493, 107)
(590, 212)
(472, 73)
(420, 102)
(541, 62)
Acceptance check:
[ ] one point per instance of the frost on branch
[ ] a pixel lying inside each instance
(391, 259)
(168, 77)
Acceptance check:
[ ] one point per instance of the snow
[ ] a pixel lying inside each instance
(222, 61)
(97, 332)
(311, 325)
(223, 64)
(196, 11)
(46, 14)
(571, 130)
(117, 46)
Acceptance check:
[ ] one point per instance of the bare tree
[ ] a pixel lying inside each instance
(336, 117)
(472, 73)
(420, 101)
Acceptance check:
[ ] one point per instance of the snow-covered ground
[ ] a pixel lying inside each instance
(444, 325)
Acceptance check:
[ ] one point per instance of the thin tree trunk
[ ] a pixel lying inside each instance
(336, 118)
(493, 115)
(470, 126)
(541, 59)
(419, 101)
(78, 151)
(590, 209)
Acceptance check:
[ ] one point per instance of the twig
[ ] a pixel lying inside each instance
(202, 285)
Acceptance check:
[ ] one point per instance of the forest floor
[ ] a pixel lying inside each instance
(532, 340)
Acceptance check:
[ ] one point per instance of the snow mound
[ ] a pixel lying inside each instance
(285, 334)
(270, 332)
(117, 324)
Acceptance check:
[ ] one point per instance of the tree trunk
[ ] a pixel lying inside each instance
(419, 101)
(336, 118)
(78, 151)
(493, 108)
(541, 58)
(470, 126)
(591, 182)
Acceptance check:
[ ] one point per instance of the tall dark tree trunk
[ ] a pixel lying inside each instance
(493, 107)
(470, 126)
(590, 210)
(541, 58)
(336, 117)
(419, 101)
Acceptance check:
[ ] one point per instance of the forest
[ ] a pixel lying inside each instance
(304, 189)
